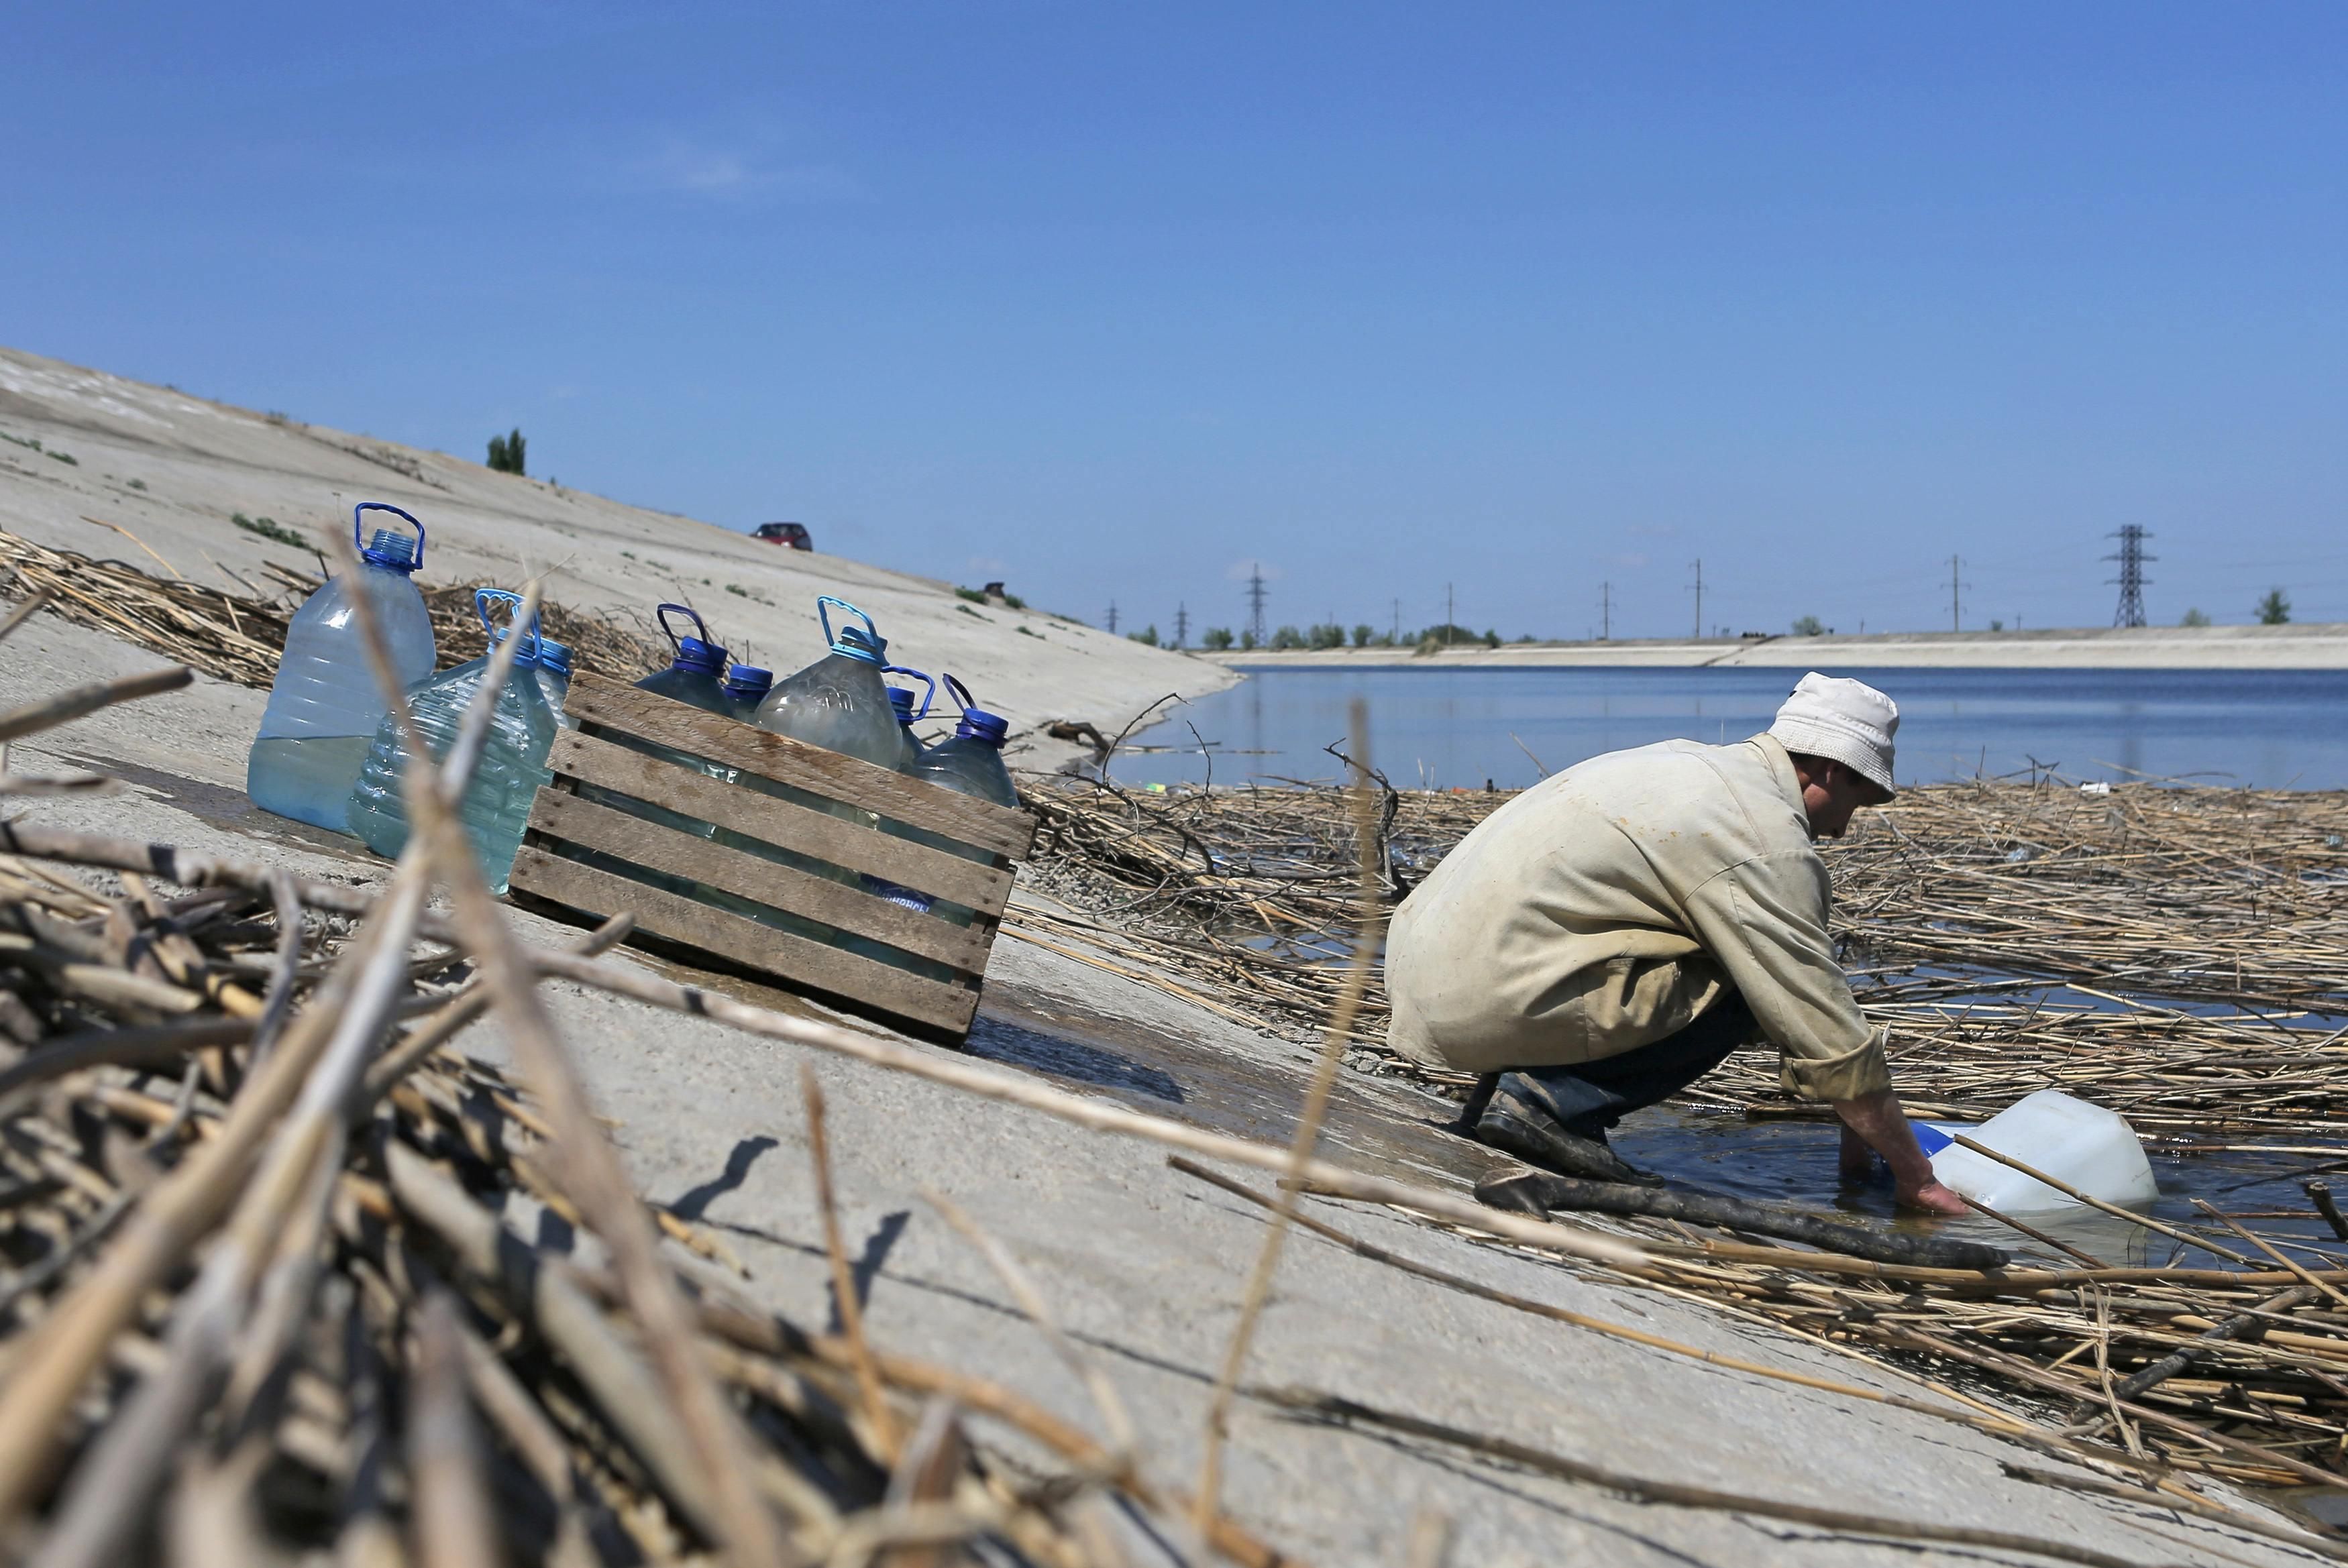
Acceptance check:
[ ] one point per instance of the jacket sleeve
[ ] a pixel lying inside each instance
(1764, 920)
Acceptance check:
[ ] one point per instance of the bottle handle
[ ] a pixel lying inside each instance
(930, 682)
(483, 598)
(824, 615)
(358, 533)
(963, 699)
(700, 627)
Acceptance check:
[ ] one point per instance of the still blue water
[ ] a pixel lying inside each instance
(1441, 728)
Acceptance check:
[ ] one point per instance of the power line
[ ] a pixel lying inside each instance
(1181, 625)
(1448, 615)
(1112, 618)
(1699, 598)
(1605, 612)
(1956, 592)
(1395, 633)
(1255, 600)
(2131, 579)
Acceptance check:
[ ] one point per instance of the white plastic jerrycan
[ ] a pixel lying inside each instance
(2088, 1147)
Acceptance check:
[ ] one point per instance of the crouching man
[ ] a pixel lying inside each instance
(1609, 937)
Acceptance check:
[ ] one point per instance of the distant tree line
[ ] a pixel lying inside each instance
(1329, 634)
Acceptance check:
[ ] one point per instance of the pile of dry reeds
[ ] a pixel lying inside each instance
(238, 636)
(2235, 1364)
(2175, 954)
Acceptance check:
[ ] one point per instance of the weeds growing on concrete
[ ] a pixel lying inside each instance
(269, 528)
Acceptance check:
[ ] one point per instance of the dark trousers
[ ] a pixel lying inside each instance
(1590, 1097)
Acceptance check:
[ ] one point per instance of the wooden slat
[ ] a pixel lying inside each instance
(978, 822)
(817, 835)
(659, 847)
(809, 965)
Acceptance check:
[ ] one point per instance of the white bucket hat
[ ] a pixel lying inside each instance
(1846, 721)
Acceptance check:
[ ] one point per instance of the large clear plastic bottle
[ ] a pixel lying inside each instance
(324, 705)
(696, 674)
(554, 678)
(691, 678)
(840, 702)
(971, 762)
(513, 767)
(837, 702)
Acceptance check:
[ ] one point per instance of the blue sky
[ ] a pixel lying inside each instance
(1110, 301)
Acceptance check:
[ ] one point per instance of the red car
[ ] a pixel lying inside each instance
(795, 535)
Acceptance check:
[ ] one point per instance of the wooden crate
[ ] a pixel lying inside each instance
(941, 995)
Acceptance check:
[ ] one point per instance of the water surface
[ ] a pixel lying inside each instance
(1451, 727)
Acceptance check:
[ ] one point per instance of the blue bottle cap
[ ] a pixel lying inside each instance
(390, 550)
(695, 655)
(855, 643)
(748, 681)
(698, 657)
(979, 724)
(531, 651)
(902, 700)
(555, 656)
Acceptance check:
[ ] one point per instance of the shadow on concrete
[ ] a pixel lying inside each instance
(695, 1201)
(867, 1267)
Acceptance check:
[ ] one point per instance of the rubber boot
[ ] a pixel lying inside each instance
(1515, 1122)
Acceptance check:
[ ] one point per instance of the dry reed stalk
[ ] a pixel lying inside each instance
(844, 1299)
(455, 1521)
(1306, 1139)
(1338, 1409)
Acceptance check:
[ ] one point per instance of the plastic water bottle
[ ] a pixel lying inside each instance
(2085, 1145)
(900, 702)
(554, 677)
(968, 761)
(837, 702)
(840, 702)
(747, 686)
(691, 678)
(695, 674)
(324, 705)
(513, 767)
(971, 760)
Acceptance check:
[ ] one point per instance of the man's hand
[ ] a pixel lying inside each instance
(1933, 1198)
(1875, 1122)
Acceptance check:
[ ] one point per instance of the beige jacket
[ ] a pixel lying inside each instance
(1604, 909)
